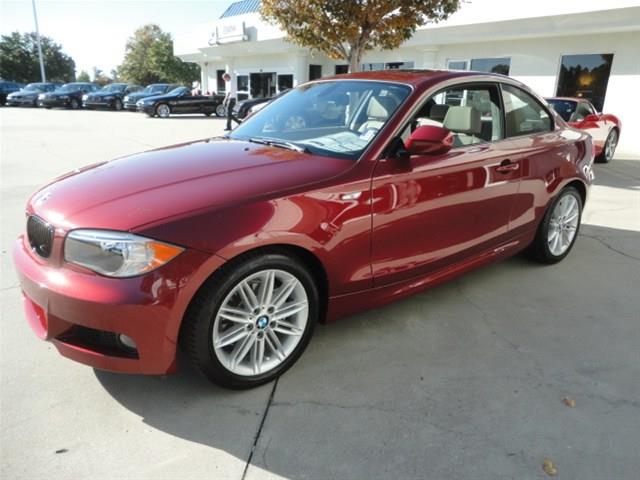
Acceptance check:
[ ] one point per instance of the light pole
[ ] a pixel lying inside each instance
(35, 17)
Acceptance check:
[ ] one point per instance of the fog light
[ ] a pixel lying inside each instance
(127, 342)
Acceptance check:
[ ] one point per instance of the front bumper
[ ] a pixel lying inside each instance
(56, 102)
(148, 109)
(21, 102)
(131, 106)
(98, 103)
(62, 304)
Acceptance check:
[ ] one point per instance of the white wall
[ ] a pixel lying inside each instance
(536, 62)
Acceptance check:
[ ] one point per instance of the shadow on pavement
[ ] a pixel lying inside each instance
(465, 380)
(623, 174)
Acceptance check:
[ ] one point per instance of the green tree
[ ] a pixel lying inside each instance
(83, 76)
(149, 59)
(100, 78)
(19, 59)
(345, 30)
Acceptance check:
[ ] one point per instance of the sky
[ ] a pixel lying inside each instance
(94, 32)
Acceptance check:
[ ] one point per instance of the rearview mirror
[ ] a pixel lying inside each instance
(429, 140)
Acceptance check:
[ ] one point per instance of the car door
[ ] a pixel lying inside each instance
(542, 152)
(431, 211)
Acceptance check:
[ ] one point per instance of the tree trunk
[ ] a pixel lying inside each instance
(354, 60)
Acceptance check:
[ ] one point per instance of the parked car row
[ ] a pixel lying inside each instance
(158, 99)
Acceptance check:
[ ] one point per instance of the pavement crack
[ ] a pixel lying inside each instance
(609, 246)
(336, 405)
(10, 287)
(259, 432)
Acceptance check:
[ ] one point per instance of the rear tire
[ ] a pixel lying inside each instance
(609, 149)
(559, 228)
(223, 294)
(221, 111)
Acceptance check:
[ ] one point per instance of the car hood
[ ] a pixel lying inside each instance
(140, 95)
(177, 181)
(104, 94)
(25, 93)
(62, 94)
(154, 98)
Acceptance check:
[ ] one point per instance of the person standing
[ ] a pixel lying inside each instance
(229, 101)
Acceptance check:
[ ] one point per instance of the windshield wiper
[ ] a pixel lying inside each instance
(280, 144)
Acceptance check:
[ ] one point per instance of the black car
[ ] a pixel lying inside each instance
(69, 95)
(110, 96)
(243, 108)
(179, 101)
(28, 96)
(6, 88)
(150, 91)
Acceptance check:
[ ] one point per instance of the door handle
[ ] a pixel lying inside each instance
(508, 166)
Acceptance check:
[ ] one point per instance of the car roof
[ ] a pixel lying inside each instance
(413, 77)
(568, 99)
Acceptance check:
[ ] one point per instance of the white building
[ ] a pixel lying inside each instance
(557, 47)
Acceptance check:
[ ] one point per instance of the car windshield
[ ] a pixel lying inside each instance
(34, 87)
(155, 89)
(564, 108)
(69, 87)
(115, 87)
(178, 91)
(332, 118)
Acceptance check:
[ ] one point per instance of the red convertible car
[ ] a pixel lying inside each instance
(235, 247)
(603, 127)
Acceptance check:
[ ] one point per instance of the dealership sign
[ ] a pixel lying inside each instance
(228, 33)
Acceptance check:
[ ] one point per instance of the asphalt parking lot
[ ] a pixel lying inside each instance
(466, 380)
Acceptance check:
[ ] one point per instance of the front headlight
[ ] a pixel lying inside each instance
(41, 96)
(84, 97)
(117, 254)
(139, 103)
(126, 98)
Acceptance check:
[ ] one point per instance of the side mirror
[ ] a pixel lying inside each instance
(429, 140)
(591, 118)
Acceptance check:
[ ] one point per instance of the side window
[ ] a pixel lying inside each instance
(524, 115)
(581, 112)
(471, 112)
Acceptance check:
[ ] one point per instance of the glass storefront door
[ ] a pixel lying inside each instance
(262, 84)
(585, 76)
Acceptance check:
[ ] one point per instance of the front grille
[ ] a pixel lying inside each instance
(40, 236)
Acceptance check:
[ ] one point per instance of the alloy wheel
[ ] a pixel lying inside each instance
(163, 111)
(610, 146)
(563, 225)
(260, 322)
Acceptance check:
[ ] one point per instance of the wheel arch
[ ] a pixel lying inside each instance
(303, 255)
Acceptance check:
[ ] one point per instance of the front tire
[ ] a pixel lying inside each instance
(74, 104)
(609, 149)
(117, 105)
(163, 110)
(559, 228)
(251, 320)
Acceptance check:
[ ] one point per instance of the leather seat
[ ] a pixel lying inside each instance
(466, 123)
(378, 112)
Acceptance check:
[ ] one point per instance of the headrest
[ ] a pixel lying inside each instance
(381, 107)
(438, 112)
(463, 120)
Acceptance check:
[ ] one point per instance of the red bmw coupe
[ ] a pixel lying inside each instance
(603, 127)
(344, 194)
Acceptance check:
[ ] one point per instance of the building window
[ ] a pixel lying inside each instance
(585, 76)
(242, 87)
(457, 65)
(398, 65)
(315, 71)
(370, 67)
(285, 82)
(340, 69)
(491, 65)
(221, 84)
